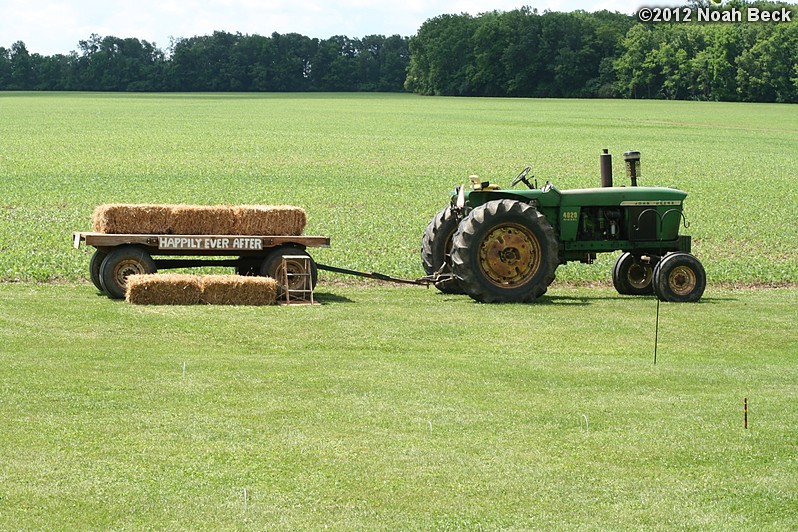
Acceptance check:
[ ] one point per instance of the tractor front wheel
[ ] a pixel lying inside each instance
(436, 248)
(679, 278)
(505, 251)
(633, 277)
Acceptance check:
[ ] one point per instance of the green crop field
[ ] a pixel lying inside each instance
(391, 408)
(371, 170)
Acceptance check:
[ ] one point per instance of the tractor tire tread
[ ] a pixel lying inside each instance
(475, 225)
(433, 248)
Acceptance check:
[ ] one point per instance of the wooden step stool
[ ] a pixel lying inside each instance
(303, 293)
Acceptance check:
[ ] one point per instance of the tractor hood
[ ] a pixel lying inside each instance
(551, 196)
(625, 196)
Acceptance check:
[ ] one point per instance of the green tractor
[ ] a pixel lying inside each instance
(504, 245)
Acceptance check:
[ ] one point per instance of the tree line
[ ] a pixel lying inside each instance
(524, 53)
(520, 53)
(218, 62)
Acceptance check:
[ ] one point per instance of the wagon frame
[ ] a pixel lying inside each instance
(119, 255)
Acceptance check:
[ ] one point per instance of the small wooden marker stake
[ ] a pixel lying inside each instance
(745, 412)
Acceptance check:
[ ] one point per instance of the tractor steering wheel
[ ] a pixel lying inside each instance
(522, 178)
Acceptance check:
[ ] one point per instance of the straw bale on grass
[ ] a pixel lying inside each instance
(183, 289)
(257, 220)
(238, 290)
(163, 289)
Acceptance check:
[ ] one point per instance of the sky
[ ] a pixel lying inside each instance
(50, 27)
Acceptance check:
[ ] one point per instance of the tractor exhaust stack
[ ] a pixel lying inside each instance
(605, 160)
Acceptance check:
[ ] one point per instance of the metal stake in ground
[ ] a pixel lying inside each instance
(745, 412)
(656, 334)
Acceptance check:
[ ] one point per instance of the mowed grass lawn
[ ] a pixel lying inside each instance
(398, 408)
(383, 407)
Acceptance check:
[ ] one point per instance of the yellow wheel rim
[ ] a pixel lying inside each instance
(639, 275)
(509, 255)
(682, 280)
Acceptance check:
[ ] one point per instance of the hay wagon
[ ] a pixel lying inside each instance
(119, 255)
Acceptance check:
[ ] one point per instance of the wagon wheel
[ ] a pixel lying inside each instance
(121, 263)
(248, 266)
(505, 251)
(272, 266)
(94, 268)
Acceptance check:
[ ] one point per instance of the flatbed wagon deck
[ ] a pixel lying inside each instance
(196, 244)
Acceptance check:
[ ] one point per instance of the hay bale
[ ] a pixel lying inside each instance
(256, 220)
(238, 290)
(183, 289)
(163, 289)
(202, 220)
(263, 220)
(128, 219)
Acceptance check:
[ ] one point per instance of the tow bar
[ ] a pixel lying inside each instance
(423, 281)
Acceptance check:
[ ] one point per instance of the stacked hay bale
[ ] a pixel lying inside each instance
(269, 220)
(181, 289)
(201, 220)
(128, 219)
(256, 220)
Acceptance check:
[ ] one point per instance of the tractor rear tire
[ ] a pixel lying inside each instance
(272, 266)
(120, 263)
(632, 277)
(436, 248)
(679, 278)
(505, 251)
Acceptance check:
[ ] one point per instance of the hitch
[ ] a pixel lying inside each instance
(423, 281)
(435, 278)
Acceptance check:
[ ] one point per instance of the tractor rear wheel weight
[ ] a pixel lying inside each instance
(679, 278)
(632, 277)
(436, 248)
(505, 251)
(509, 255)
(119, 264)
